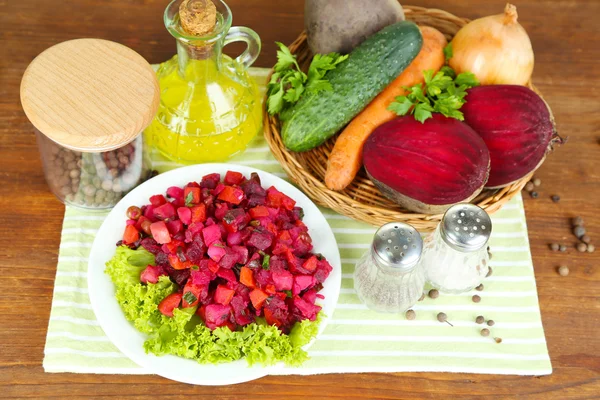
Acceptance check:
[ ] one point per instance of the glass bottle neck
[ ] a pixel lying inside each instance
(198, 62)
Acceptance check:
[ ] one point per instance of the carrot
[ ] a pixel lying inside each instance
(247, 277)
(345, 159)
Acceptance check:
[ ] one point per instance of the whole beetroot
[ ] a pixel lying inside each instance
(516, 126)
(426, 167)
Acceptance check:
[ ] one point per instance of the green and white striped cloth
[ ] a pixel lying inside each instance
(356, 339)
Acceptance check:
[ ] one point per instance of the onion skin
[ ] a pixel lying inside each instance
(495, 48)
(516, 126)
(427, 167)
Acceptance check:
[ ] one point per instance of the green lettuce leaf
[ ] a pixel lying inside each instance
(185, 335)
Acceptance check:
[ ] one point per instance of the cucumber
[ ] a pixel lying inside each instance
(369, 68)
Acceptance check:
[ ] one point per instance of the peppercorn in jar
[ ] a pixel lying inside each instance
(89, 100)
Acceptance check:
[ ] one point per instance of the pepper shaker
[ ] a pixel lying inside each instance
(455, 256)
(389, 276)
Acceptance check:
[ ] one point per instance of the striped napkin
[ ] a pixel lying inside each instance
(355, 339)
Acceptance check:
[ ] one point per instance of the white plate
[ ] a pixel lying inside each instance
(130, 341)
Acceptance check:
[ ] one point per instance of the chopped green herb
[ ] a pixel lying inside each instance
(287, 292)
(443, 92)
(265, 262)
(189, 198)
(288, 83)
(448, 52)
(189, 297)
(319, 256)
(219, 245)
(195, 268)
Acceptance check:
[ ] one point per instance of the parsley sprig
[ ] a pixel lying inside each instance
(443, 92)
(288, 83)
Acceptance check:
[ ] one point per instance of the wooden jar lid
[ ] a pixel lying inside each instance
(90, 94)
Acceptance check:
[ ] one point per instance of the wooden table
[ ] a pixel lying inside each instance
(566, 39)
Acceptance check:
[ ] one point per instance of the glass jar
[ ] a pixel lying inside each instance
(210, 108)
(89, 100)
(389, 277)
(455, 256)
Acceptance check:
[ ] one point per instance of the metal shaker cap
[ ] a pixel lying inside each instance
(397, 245)
(466, 227)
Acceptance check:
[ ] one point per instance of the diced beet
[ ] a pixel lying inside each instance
(174, 226)
(175, 192)
(276, 312)
(179, 276)
(307, 310)
(282, 279)
(211, 234)
(160, 233)
(210, 181)
(172, 246)
(261, 241)
(263, 278)
(216, 251)
(229, 258)
(149, 212)
(201, 276)
(240, 312)
(233, 178)
(223, 295)
(217, 190)
(220, 210)
(252, 187)
(179, 236)
(157, 200)
(310, 296)
(235, 219)
(242, 254)
(216, 315)
(257, 200)
(302, 282)
(298, 213)
(234, 238)
(185, 215)
(194, 253)
(131, 222)
(323, 270)
(276, 263)
(150, 245)
(195, 228)
(161, 258)
(231, 194)
(227, 274)
(302, 245)
(150, 274)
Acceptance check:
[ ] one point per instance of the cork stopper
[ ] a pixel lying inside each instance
(198, 17)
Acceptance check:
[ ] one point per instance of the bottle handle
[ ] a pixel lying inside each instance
(248, 36)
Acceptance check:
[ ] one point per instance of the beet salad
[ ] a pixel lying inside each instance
(219, 270)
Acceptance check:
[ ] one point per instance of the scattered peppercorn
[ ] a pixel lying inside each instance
(581, 247)
(529, 186)
(411, 314)
(562, 248)
(498, 340)
(534, 194)
(577, 221)
(579, 231)
(480, 319)
(434, 294)
(537, 181)
(586, 239)
(442, 317)
(479, 288)
(554, 246)
(555, 198)
(476, 298)
(591, 248)
(491, 322)
(563, 270)
(485, 332)
(490, 272)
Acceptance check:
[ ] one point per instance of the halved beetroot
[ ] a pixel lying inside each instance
(515, 124)
(427, 167)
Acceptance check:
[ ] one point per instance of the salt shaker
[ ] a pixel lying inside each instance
(455, 256)
(389, 276)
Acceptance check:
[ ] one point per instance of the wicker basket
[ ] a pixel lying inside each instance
(361, 200)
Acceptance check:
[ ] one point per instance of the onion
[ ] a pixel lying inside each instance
(496, 49)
